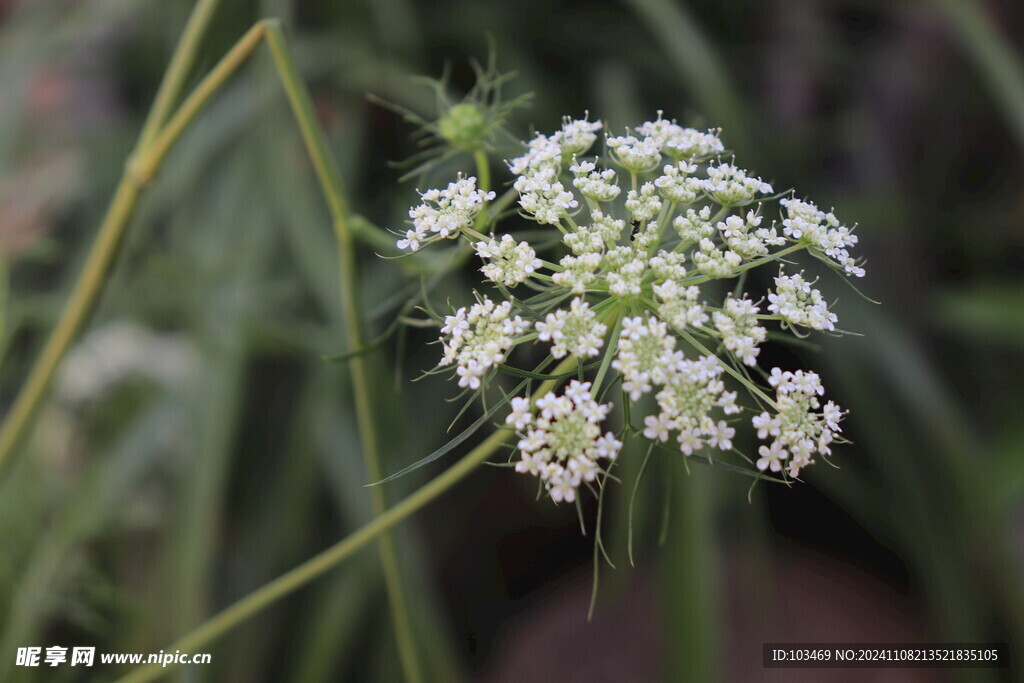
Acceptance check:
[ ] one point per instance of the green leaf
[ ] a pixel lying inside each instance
(448, 447)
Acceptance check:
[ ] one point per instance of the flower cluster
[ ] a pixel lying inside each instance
(639, 230)
(478, 339)
(797, 430)
(692, 390)
(563, 443)
(575, 331)
(796, 303)
(646, 354)
(821, 232)
(508, 263)
(679, 142)
(444, 213)
(741, 334)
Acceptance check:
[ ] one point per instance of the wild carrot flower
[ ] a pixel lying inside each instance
(641, 232)
(563, 443)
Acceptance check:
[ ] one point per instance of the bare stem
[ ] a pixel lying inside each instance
(182, 59)
(104, 250)
(158, 136)
(315, 567)
(330, 181)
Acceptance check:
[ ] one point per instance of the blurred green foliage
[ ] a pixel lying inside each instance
(154, 500)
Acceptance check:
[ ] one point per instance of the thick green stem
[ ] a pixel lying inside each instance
(104, 250)
(156, 141)
(182, 59)
(72, 319)
(483, 170)
(145, 164)
(330, 181)
(995, 57)
(691, 590)
(315, 567)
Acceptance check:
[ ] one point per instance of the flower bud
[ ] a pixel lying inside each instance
(464, 126)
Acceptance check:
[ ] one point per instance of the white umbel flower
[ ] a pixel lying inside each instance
(578, 272)
(694, 226)
(576, 331)
(679, 142)
(636, 155)
(643, 205)
(741, 334)
(693, 389)
(576, 136)
(646, 355)
(626, 281)
(715, 262)
(544, 198)
(668, 265)
(676, 185)
(510, 263)
(640, 232)
(603, 233)
(479, 338)
(445, 213)
(798, 428)
(797, 303)
(731, 186)
(746, 237)
(597, 185)
(822, 232)
(565, 445)
(541, 153)
(679, 306)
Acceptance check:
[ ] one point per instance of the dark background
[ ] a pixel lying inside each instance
(198, 445)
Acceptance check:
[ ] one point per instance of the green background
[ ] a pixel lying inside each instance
(146, 502)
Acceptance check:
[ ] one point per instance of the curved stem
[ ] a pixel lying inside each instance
(145, 164)
(330, 181)
(318, 565)
(155, 142)
(182, 59)
(104, 250)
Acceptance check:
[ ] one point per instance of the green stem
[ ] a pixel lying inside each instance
(613, 340)
(470, 232)
(318, 565)
(504, 201)
(104, 250)
(146, 164)
(689, 580)
(751, 387)
(483, 170)
(182, 59)
(994, 56)
(330, 181)
(155, 143)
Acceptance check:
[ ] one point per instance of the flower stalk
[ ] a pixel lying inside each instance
(108, 240)
(159, 134)
(320, 564)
